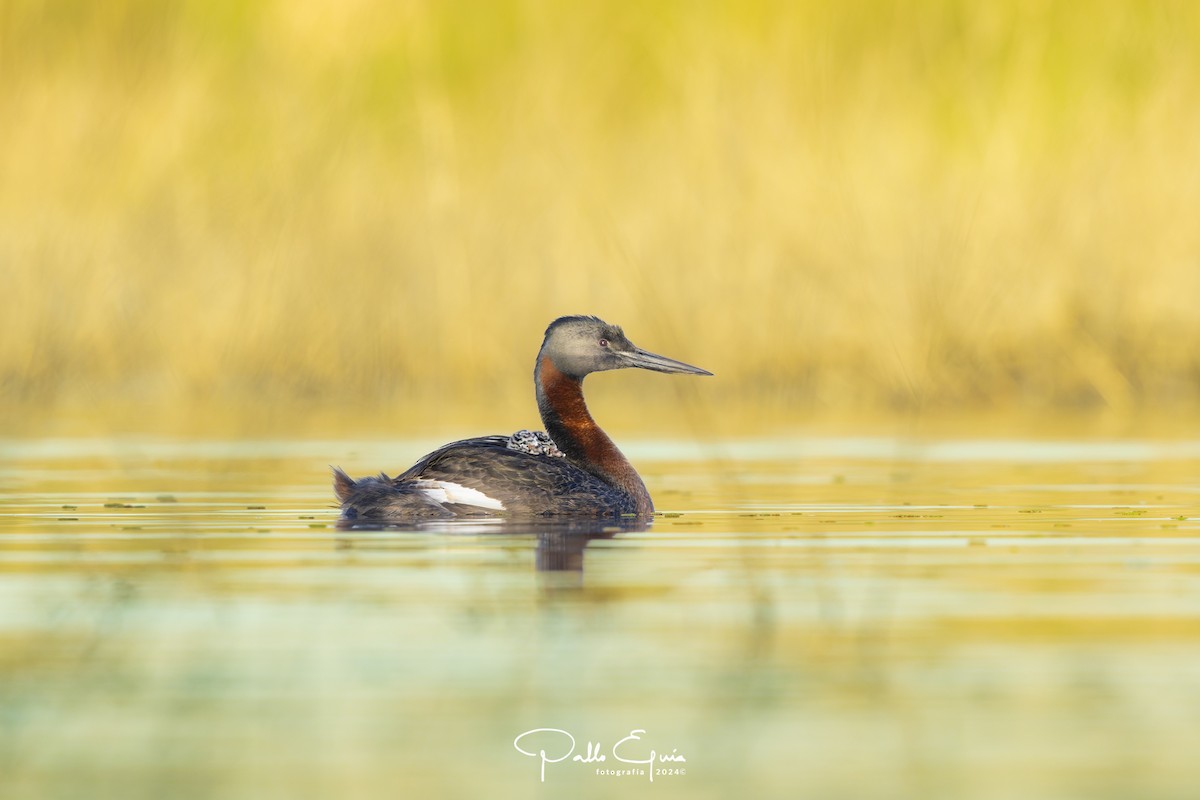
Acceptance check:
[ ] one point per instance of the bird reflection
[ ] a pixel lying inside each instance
(560, 546)
(560, 542)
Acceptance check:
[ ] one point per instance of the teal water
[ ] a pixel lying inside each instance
(807, 617)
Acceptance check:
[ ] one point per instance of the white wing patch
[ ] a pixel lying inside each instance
(446, 492)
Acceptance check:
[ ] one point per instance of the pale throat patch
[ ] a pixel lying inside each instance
(446, 492)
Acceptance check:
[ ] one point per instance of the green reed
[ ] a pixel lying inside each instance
(838, 206)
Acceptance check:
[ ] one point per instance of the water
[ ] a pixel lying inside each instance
(812, 617)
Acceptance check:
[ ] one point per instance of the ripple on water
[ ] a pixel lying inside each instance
(864, 617)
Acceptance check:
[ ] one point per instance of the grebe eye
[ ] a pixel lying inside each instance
(604, 342)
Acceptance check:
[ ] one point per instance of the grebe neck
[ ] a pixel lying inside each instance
(570, 425)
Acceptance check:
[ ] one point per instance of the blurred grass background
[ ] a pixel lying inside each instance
(222, 210)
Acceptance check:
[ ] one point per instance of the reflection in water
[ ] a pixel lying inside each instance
(562, 551)
(561, 541)
(866, 620)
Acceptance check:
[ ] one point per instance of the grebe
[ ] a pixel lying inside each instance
(576, 470)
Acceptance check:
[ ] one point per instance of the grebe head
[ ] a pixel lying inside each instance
(579, 345)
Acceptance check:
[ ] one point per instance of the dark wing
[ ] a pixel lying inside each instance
(526, 483)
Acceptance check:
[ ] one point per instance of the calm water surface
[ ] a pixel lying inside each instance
(809, 617)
